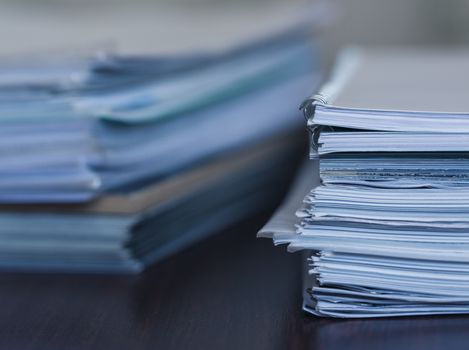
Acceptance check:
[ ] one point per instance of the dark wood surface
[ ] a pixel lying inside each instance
(231, 291)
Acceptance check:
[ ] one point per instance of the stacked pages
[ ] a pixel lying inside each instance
(75, 128)
(388, 219)
(112, 162)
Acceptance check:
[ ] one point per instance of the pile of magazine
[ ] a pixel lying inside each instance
(109, 163)
(386, 224)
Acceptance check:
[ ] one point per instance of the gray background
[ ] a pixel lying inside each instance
(30, 26)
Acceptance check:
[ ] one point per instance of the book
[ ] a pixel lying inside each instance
(112, 163)
(124, 233)
(74, 130)
(384, 226)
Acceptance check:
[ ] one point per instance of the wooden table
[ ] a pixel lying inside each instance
(232, 291)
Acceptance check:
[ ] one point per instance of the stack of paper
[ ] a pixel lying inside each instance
(388, 223)
(114, 162)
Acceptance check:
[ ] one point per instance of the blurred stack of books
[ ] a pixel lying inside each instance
(112, 162)
(387, 220)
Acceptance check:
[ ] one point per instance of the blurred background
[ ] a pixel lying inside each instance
(181, 25)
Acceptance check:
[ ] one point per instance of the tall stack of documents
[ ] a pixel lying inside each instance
(386, 224)
(112, 162)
